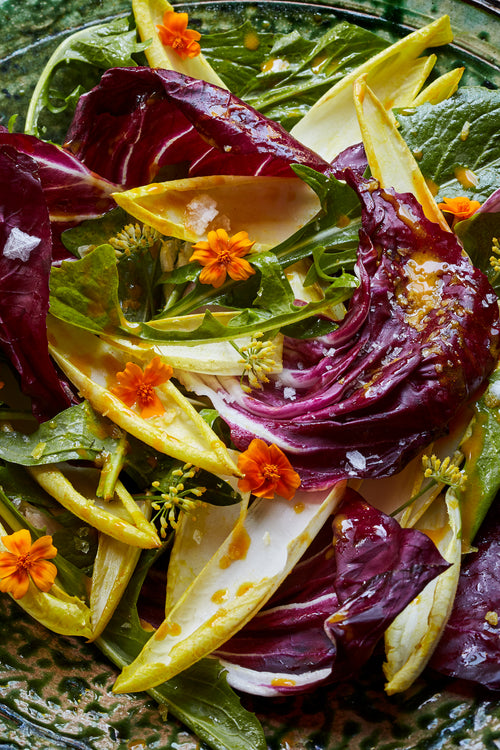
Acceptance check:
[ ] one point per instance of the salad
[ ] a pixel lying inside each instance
(250, 334)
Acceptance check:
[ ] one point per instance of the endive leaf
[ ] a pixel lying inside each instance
(391, 161)
(396, 76)
(113, 568)
(57, 610)
(414, 634)
(148, 15)
(92, 364)
(245, 571)
(270, 209)
(76, 488)
(197, 538)
(212, 357)
(440, 89)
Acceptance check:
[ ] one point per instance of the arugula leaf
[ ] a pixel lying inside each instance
(460, 133)
(76, 66)
(200, 697)
(75, 434)
(249, 322)
(283, 75)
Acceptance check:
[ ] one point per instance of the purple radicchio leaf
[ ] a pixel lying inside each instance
(72, 192)
(139, 121)
(327, 617)
(491, 204)
(419, 339)
(469, 648)
(25, 261)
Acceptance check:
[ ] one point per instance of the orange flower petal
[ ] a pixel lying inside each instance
(42, 549)
(43, 574)
(136, 387)
(221, 255)
(173, 32)
(16, 584)
(19, 542)
(267, 471)
(157, 372)
(461, 207)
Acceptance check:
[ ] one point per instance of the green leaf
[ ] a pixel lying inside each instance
(76, 66)
(199, 697)
(94, 232)
(476, 235)
(482, 466)
(75, 434)
(283, 75)
(85, 292)
(460, 133)
(253, 321)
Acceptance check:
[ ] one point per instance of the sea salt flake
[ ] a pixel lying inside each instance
(290, 393)
(199, 212)
(356, 459)
(20, 245)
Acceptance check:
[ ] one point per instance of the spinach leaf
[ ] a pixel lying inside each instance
(75, 434)
(200, 697)
(75, 67)
(459, 134)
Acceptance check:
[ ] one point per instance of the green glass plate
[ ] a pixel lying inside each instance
(56, 692)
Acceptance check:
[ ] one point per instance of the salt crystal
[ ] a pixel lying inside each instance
(356, 459)
(199, 212)
(20, 245)
(289, 393)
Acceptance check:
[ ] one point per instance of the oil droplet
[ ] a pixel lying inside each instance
(466, 177)
(242, 590)
(464, 133)
(343, 221)
(283, 682)
(237, 549)
(219, 596)
(275, 65)
(251, 41)
(418, 154)
(299, 507)
(167, 628)
(317, 63)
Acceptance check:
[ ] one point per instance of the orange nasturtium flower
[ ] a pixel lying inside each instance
(25, 561)
(461, 208)
(267, 471)
(174, 33)
(137, 386)
(221, 255)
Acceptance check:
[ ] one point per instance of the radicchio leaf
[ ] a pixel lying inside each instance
(418, 341)
(72, 192)
(325, 620)
(139, 121)
(469, 648)
(25, 260)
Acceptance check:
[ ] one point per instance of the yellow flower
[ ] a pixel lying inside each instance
(137, 387)
(25, 561)
(221, 255)
(174, 33)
